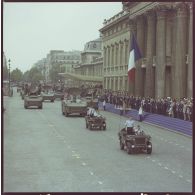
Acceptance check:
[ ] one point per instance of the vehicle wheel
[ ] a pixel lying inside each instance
(25, 107)
(86, 125)
(40, 107)
(104, 128)
(52, 100)
(149, 150)
(129, 150)
(121, 145)
(90, 127)
(66, 114)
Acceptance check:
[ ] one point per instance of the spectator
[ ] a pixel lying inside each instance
(140, 113)
(104, 104)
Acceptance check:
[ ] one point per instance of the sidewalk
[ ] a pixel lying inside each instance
(172, 124)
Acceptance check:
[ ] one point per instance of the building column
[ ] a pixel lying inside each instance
(114, 86)
(119, 83)
(160, 53)
(168, 69)
(190, 52)
(139, 90)
(150, 52)
(110, 55)
(180, 80)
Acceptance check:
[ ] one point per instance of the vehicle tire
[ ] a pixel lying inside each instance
(25, 107)
(149, 150)
(66, 114)
(129, 149)
(121, 145)
(90, 127)
(86, 125)
(52, 100)
(104, 128)
(40, 107)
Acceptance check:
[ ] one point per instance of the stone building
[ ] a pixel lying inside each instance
(63, 61)
(164, 34)
(90, 66)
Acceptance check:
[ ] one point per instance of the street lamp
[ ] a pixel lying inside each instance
(9, 73)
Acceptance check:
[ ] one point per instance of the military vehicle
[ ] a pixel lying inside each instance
(70, 106)
(95, 122)
(137, 141)
(33, 100)
(59, 95)
(48, 96)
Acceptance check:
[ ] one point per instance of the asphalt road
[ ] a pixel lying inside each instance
(45, 151)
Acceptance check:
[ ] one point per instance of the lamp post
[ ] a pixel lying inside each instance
(9, 73)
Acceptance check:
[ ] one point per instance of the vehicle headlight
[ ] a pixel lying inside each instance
(149, 146)
(133, 146)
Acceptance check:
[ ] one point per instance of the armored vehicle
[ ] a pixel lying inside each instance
(137, 141)
(74, 107)
(59, 95)
(48, 96)
(95, 122)
(33, 100)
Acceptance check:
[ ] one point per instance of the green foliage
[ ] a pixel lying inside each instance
(33, 75)
(16, 75)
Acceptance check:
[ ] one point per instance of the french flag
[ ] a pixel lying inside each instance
(134, 55)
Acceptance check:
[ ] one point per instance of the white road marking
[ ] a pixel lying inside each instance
(100, 182)
(84, 164)
(188, 180)
(159, 164)
(91, 173)
(181, 176)
(173, 172)
(166, 168)
(69, 146)
(153, 160)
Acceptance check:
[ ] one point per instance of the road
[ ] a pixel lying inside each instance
(45, 151)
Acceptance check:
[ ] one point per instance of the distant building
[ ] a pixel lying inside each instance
(90, 67)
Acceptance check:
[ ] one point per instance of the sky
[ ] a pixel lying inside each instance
(31, 30)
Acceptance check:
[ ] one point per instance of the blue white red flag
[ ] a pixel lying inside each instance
(134, 55)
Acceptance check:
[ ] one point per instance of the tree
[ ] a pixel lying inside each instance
(26, 76)
(35, 75)
(16, 75)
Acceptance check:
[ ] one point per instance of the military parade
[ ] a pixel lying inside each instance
(112, 118)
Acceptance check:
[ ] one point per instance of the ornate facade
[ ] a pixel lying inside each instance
(164, 34)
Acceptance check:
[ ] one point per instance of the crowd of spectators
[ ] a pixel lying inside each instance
(178, 108)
